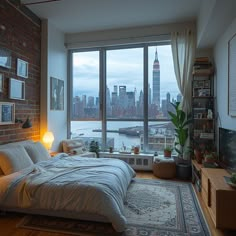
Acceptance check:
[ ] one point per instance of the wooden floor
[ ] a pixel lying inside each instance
(8, 222)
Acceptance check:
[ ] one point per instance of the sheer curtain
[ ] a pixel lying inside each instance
(183, 49)
(183, 45)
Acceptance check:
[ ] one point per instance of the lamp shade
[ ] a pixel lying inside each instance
(48, 139)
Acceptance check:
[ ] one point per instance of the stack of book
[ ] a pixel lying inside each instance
(202, 65)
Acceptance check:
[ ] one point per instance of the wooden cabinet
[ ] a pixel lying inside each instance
(219, 197)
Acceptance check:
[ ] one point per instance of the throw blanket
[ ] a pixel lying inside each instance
(84, 185)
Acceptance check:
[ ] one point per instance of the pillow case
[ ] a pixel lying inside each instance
(37, 152)
(79, 150)
(14, 159)
(70, 144)
(19, 143)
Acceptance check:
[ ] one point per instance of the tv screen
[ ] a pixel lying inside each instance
(227, 149)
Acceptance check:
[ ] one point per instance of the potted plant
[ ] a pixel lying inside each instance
(233, 178)
(94, 147)
(181, 122)
(167, 151)
(209, 157)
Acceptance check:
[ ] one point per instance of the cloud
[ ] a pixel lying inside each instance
(124, 67)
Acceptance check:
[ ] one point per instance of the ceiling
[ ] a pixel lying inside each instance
(76, 16)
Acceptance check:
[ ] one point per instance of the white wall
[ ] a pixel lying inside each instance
(54, 63)
(124, 36)
(221, 76)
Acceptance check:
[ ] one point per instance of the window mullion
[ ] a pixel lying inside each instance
(103, 96)
(145, 102)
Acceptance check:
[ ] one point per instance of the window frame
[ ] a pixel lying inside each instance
(102, 87)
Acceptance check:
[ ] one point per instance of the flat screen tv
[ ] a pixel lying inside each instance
(227, 149)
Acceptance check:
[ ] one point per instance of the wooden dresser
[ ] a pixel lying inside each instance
(219, 197)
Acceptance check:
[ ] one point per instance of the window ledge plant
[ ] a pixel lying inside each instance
(167, 151)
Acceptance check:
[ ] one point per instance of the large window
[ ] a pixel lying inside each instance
(121, 96)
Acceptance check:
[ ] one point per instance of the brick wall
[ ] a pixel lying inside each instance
(20, 33)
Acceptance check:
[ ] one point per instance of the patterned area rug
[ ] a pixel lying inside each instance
(152, 208)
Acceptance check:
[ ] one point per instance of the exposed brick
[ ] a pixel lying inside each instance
(23, 38)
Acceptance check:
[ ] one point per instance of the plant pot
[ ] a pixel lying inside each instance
(136, 150)
(183, 170)
(167, 153)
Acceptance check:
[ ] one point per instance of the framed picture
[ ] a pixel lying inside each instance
(232, 76)
(1, 83)
(22, 68)
(5, 58)
(16, 89)
(7, 113)
(56, 94)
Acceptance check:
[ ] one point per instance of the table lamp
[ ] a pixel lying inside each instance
(48, 139)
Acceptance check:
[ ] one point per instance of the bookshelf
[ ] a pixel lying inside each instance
(203, 109)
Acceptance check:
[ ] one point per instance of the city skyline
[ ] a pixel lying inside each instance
(122, 100)
(123, 67)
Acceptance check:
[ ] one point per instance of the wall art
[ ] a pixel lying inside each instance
(7, 113)
(56, 94)
(22, 68)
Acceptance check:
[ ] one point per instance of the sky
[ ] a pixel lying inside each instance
(124, 67)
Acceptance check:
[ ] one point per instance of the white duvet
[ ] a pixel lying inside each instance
(84, 185)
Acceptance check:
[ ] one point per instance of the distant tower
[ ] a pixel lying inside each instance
(179, 97)
(156, 82)
(122, 96)
(115, 89)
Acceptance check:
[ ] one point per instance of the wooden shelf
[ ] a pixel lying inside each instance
(201, 97)
(206, 74)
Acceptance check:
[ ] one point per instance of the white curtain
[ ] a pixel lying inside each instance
(183, 49)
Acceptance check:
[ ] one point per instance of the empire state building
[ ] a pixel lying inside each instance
(156, 82)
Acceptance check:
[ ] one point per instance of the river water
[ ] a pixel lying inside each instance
(85, 129)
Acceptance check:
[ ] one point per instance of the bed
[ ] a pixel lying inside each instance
(69, 186)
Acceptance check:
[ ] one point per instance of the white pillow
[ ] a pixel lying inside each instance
(70, 144)
(79, 150)
(20, 143)
(37, 152)
(14, 159)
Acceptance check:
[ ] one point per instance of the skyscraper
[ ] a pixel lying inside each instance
(156, 82)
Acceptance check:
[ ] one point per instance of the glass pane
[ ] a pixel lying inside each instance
(163, 87)
(125, 83)
(160, 135)
(87, 131)
(124, 97)
(124, 135)
(163, 90)
(85, 87)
